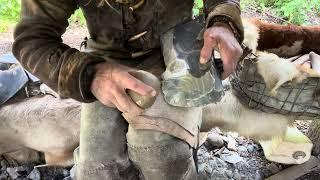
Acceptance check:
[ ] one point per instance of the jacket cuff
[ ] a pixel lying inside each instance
(228, 13)
(76, 77)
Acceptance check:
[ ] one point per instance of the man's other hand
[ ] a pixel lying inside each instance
(110, 84)
(221, 37)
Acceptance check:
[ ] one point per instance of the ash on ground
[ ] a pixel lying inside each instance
(221, 157)
(237, 158)
(31, 171)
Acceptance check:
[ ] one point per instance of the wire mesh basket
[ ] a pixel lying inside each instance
(299, 100)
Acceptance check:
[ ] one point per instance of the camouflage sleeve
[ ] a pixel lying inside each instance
(227, 11)
(39, 48)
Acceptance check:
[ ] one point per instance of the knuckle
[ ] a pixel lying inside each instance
(210, 35)
(107, 102)
(214, 35)
(233, 50)
(206, 33)
(112, 87)
(125, 104)
(236, 51)
(135, 85)
(120, 96)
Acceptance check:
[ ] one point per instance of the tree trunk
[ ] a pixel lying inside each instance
(314, 135)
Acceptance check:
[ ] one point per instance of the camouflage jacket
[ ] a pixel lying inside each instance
(39, 47)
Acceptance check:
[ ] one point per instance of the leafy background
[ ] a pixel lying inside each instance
(293, 11)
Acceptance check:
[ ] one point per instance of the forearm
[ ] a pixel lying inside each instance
(39, 48)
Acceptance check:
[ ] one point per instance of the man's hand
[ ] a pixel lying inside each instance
(110, 84)
(222, 38)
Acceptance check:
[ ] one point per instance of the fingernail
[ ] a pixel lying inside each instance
(153, 93)
(202, 60)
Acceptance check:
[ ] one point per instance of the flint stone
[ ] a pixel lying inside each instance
(205, 156)
(212, 163)
(229, 173)
(19, 172)
(35, 174)
(219, 162)
(3, 165)
(186, 82)
(73, 173)
(258, 175)
(13, 173)
(218, 174)
(49, 172)
(250, 148)
(4, 175)
(219, 151)
(201, 167)
(243, 150)
(231, 144)
(237, 175)
(208, 169)
(232, 157)
(215, 140)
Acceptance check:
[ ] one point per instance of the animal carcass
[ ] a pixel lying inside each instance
(46, 124)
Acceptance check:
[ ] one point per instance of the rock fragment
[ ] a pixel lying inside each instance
(250, 148)
(215, 140)
(232, 144)
(243, 151)
(232, 157)
(13, 173)
(35, 174)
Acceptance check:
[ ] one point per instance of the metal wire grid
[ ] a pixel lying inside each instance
(296, 100)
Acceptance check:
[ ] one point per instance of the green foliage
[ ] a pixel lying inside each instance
(77, 18)
(266, 3)
(9, 10)
(3, 26)
(198, 7)
(246, 3)
(9, 13)
(296, 11)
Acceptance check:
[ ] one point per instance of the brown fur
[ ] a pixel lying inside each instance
(274, 36)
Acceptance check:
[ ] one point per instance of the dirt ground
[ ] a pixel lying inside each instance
(244, 161)
(73, 36)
